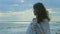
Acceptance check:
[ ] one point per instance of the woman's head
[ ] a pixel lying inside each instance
(40, 12)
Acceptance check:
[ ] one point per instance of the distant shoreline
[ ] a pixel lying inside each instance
(27, 21)
(15, 21)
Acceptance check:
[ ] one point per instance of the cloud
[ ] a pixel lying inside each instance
(30, 5)
(22, 1)
(51, 11)
(7, 5)
(26, 15)
(55, 18)
(14, 5)
(54, 11)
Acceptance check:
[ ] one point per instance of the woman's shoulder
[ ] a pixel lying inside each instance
(34, 21)
(45, 20)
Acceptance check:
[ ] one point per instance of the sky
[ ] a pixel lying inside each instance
(22, 10)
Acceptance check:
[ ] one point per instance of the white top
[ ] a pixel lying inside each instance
(43, 27)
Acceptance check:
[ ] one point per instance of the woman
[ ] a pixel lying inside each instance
(40, 24)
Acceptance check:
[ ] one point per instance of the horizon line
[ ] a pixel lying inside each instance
(25, 21)
(15, 21)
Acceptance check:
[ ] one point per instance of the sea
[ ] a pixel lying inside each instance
(21, 27)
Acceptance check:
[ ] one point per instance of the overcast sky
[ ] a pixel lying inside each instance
(16, 10)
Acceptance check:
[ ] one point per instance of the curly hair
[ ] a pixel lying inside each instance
(41, 12)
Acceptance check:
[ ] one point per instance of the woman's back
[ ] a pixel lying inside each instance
(43, 27)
